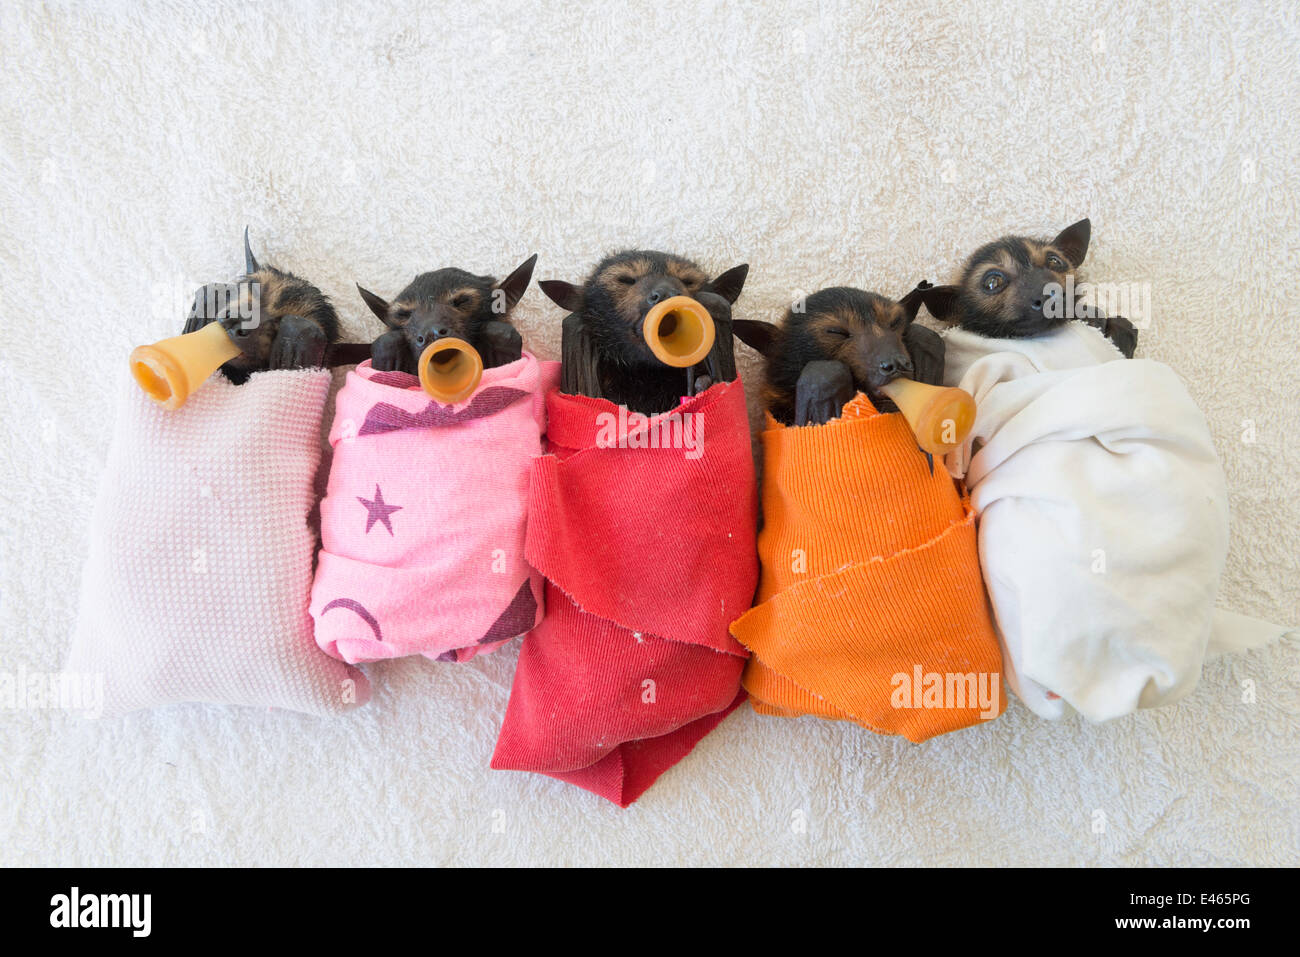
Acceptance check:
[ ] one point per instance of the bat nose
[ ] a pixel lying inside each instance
(664, 289)
(426, 336)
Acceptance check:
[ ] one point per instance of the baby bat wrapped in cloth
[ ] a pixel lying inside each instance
(423, 524)
(644, 529)
(199, 574)
(1103, 520)
(870, 607)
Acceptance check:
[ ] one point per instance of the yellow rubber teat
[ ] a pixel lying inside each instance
(170, 371)
(940, 417)
(450, 370)
(679, 331)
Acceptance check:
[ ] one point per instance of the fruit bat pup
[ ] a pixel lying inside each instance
(836, 343)
(1002, 290)
(449, 303)
(295, 324)
(603, 351)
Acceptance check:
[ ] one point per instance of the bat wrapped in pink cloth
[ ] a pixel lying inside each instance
(645, 531)
(422, 527)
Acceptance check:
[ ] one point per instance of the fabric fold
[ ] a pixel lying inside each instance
(422, 525)
(644, 529)
(870, 607)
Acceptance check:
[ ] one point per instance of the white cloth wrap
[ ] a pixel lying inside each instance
(199, 570)
(1103, 521)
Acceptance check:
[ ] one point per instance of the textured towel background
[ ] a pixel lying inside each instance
(822, 144)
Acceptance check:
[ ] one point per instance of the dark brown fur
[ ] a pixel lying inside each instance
(871, 337)
(604, 353)
(446, 303)
(295, 321)
(1003, 289)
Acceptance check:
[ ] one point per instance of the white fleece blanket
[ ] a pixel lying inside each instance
(1103, 520)
(824, 143)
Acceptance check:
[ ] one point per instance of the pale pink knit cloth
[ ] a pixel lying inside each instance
(423, 524)
(200, 566)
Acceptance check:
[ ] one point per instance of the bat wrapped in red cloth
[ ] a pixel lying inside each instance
(644, 528)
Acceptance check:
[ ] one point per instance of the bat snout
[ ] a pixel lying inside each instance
(427, 327)
(895, 366)
(881, 367)
(659, 291)
(424, 337)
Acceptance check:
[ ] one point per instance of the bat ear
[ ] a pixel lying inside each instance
(250, 263)
(759, 336)
(563, 294)
(940, 300)
(377, 305)
(1073, 241)
(516, 284)
(729, 284)
(913, 301)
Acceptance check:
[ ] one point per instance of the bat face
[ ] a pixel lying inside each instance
(623, 288)
(604, 352)
(1004, 287)
(862, 330)
(441, 304)
(450, 303)
(284, 294)
(295, 320)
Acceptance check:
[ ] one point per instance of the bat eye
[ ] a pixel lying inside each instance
(627, 280)
(838, 331)
(993, 281)
(896, 324)
(1054, 262)
(461, 301)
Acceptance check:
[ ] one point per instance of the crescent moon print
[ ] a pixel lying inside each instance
(361, 612)
(516, 619)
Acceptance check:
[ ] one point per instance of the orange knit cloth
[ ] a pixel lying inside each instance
(871, 607)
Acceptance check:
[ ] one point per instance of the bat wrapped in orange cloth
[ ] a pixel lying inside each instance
(644, 528)
(870, 607)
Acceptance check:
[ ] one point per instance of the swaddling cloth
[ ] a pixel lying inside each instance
(422, 527)
(644, 529)
(200, 566)
(1103, 520)
(870, 607)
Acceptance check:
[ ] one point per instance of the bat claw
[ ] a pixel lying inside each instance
(824, 387)
(499, 344)
(390, 353)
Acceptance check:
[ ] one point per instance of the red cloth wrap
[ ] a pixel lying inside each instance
(648, 554)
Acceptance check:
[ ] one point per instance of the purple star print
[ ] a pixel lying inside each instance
(378, 511)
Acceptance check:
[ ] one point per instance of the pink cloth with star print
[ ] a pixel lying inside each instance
(422, 526)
